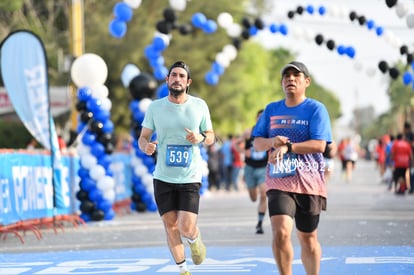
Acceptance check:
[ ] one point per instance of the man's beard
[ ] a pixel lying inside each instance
(176, 92)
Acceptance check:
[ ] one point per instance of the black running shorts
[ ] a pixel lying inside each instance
(173, 197)
(304, 208)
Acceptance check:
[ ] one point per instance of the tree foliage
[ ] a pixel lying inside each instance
(248, 84)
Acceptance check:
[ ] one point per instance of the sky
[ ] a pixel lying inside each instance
(357, 82)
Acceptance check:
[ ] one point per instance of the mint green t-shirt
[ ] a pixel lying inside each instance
(178, 161)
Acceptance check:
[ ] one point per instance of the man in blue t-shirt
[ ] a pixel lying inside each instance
(295, 130)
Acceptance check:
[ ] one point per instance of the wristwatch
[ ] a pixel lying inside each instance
(204, 137)
(289, 146)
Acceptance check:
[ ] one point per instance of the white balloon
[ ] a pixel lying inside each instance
(178, 5)
(144, 103)
(140, 170)
(89, 70)
(88, 161)
(401, 9)
(371, 71)
(358, 66)
(109, 195)
(106, 183)
(234, 30)
(133, 3)
(97, 172)
(83, 149)
(128, 73)
(222, 59)
(224, 20)
(106, 104)
(230, 51)
(147, 179)
(410, 21)
(100, 91)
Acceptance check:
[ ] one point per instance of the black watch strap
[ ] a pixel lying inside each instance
(204, 136)
(289, 146)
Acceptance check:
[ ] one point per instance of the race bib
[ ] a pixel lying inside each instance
(286, 167)
(179, 155)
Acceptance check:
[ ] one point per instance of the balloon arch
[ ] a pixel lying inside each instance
(95, 129)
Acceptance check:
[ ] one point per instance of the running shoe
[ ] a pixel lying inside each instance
(198, 250)
(259, 228)
(185, 273)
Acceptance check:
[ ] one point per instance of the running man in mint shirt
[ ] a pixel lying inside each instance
(182, 123)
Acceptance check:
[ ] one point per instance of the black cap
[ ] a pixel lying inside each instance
(180, 64)
(297, 66)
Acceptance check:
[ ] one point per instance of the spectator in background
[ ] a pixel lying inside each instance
(31, 144)
(350, 154)
(329, 156)
(227, 157)
(401, 154)
(380, 156)
(237, 149)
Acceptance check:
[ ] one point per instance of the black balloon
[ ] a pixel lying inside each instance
(245, 34)
(362, 20)
(136, 198)
(291, 14)
(164, 27)
(330, 44)
(185, 29)
(246, 22)
(394, 73)
(81, 106)
(85, 116)
(299, 9)
(97, 215)
(82, 195)
(96, 127)
(319, 39)
(237, 43)
(169, 15)
(140, 207)
(87, 206)
(352, 15)
(109, 148)
(259, 24)
(142, 86)
(383, 66)
(403, 49)
(410, 58)
(104, 138)
(390, 3)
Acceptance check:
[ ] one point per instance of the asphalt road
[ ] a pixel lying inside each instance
(361, 216)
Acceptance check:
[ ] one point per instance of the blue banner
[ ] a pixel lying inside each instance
(24, 73)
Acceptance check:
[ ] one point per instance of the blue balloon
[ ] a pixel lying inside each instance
(122, 11)
(198, 20)
(341, 49)
(117, 28)
(109, 214)
(211, 78)
(88, 138)
(83, 172)
(97, 150)
(102, 115)
(84, 93)
(370, 24)
(253, 30)
(273, 28)
(350, 51)
(322, 10)
(283, 29)
(210, 26)
(94, 105)
(87, 184)
(159, 43)
(157, 61)
(407, 78)
(310, 9)
(95, 195)
(379, 31)
(108, 127)
(138, 116)
(150, 52)
(160, 73)
(217, 68)
(162, 90)
(104, 205)
(134, 106)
